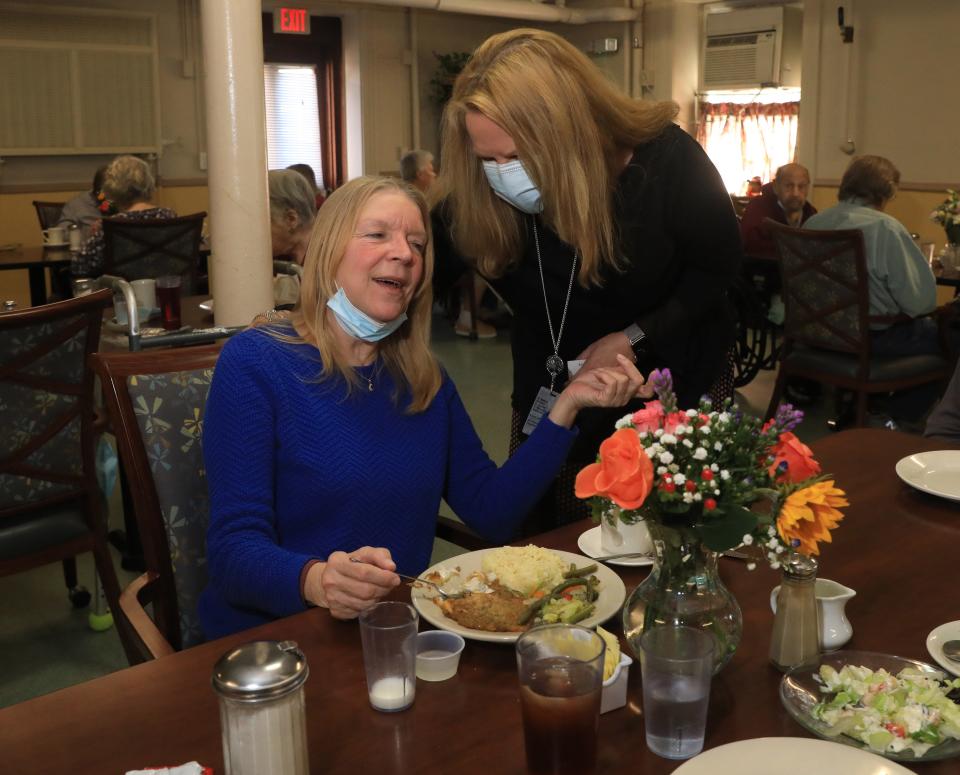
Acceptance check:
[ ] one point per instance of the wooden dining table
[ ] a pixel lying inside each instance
(897, 547)
(37, 260)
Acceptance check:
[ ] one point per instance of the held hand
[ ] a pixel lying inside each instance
(603, 353)
(348, 587)
(600, 387)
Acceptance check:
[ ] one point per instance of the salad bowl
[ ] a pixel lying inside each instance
(802, 688)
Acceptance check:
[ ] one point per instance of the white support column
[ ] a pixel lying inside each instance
(241, 268)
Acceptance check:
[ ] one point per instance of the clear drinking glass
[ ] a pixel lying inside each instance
(168, 297)
(388, 632)
(561, 678)
(677, 665)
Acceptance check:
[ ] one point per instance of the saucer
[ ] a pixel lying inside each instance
(935, 641)
(55, 244)
(589, 543)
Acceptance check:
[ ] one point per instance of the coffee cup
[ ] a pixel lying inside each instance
(55, 236)
(145, 292)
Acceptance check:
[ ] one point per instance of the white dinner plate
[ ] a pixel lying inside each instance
(589, 543)
(788, 756)
(609, 601)
(935, 641)
(206, 306)
(937, 472)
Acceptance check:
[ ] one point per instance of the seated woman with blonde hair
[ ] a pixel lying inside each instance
(329, 439)
(129, 188)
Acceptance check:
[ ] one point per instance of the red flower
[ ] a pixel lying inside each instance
(709, 504)
(648, 418)
(798, 457)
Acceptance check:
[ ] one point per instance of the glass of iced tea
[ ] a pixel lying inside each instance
(168, 297)
(561, 677)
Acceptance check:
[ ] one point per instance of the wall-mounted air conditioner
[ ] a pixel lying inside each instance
(751, 48)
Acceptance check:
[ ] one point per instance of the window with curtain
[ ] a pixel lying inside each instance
(293, 117)
(746, 140)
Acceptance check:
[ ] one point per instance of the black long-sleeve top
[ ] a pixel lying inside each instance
(678, 235)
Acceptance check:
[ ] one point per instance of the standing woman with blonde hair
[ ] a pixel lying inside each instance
(329, 439)
(602, 224)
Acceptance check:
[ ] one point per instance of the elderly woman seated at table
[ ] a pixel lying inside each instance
(292, 212)
(330, 439)
(129, 187)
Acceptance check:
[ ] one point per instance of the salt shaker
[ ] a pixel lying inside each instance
(262, 717)
(796, 628)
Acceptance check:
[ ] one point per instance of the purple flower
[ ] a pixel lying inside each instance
(787, 418)
(662, 381)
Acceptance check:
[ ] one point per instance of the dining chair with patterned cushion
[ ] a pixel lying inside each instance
(48, 213)
(827, 320)
(144, 249)
(50, 504)
(156, 403)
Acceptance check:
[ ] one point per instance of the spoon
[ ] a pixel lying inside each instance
(951, 650)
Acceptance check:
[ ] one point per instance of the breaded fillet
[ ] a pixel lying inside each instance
(498, 611)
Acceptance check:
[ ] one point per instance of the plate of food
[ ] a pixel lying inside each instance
(787, 756)
(936, 473)
(898, 708)
(495, 594)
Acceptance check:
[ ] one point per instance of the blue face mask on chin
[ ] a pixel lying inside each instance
(358, 323)
(513, 185)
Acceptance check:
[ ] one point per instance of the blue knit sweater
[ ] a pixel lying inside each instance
(296, 471)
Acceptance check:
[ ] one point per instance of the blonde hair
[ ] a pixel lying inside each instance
(571, 127)
(128, 180)
(405, 353)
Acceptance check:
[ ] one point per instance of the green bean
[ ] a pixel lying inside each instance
(538, 604)
(574, 571)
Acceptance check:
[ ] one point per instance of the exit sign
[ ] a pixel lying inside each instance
(295, 21)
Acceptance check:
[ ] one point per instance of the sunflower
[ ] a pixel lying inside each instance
(809, 514)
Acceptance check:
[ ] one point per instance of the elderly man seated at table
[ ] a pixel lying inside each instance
(129, 188)
(902, 285)
(329, 440)
(84, 210)
(784, 200)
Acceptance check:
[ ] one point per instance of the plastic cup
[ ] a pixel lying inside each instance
(677, 665)
(168, 297)
(561, 674)
(388, 632)
(438, 655)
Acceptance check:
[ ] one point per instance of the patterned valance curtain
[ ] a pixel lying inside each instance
(747, 140)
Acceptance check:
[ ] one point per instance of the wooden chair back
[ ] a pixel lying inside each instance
(156, 403)
(825, 289)
(139, 249)
(48, 213)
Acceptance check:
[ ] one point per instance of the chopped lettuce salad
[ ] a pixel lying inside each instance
(910, 711)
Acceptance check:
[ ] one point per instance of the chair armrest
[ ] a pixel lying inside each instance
(144, 628)
(457, 533)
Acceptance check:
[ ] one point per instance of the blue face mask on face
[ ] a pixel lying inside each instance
(513, 185)
(358, 323)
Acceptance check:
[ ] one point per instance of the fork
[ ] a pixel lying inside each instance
(414, 580)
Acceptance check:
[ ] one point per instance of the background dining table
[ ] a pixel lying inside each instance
(36, 260)
(896, 547)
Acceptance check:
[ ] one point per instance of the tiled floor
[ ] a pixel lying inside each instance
(46, 645)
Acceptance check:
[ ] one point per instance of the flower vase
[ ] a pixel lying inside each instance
(684, 588)
(953, 234)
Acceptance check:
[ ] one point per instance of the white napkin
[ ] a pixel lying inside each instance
(190, 768)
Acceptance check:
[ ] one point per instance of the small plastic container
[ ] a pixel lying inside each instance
(614, 694)
(438, 655)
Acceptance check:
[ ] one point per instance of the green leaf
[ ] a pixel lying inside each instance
(722, 534)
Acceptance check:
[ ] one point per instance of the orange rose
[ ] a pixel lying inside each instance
(624, 473)
(798, 457)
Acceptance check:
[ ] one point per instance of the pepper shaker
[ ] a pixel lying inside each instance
(796, 626)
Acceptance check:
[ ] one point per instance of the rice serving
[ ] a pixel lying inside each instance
(525, 569)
